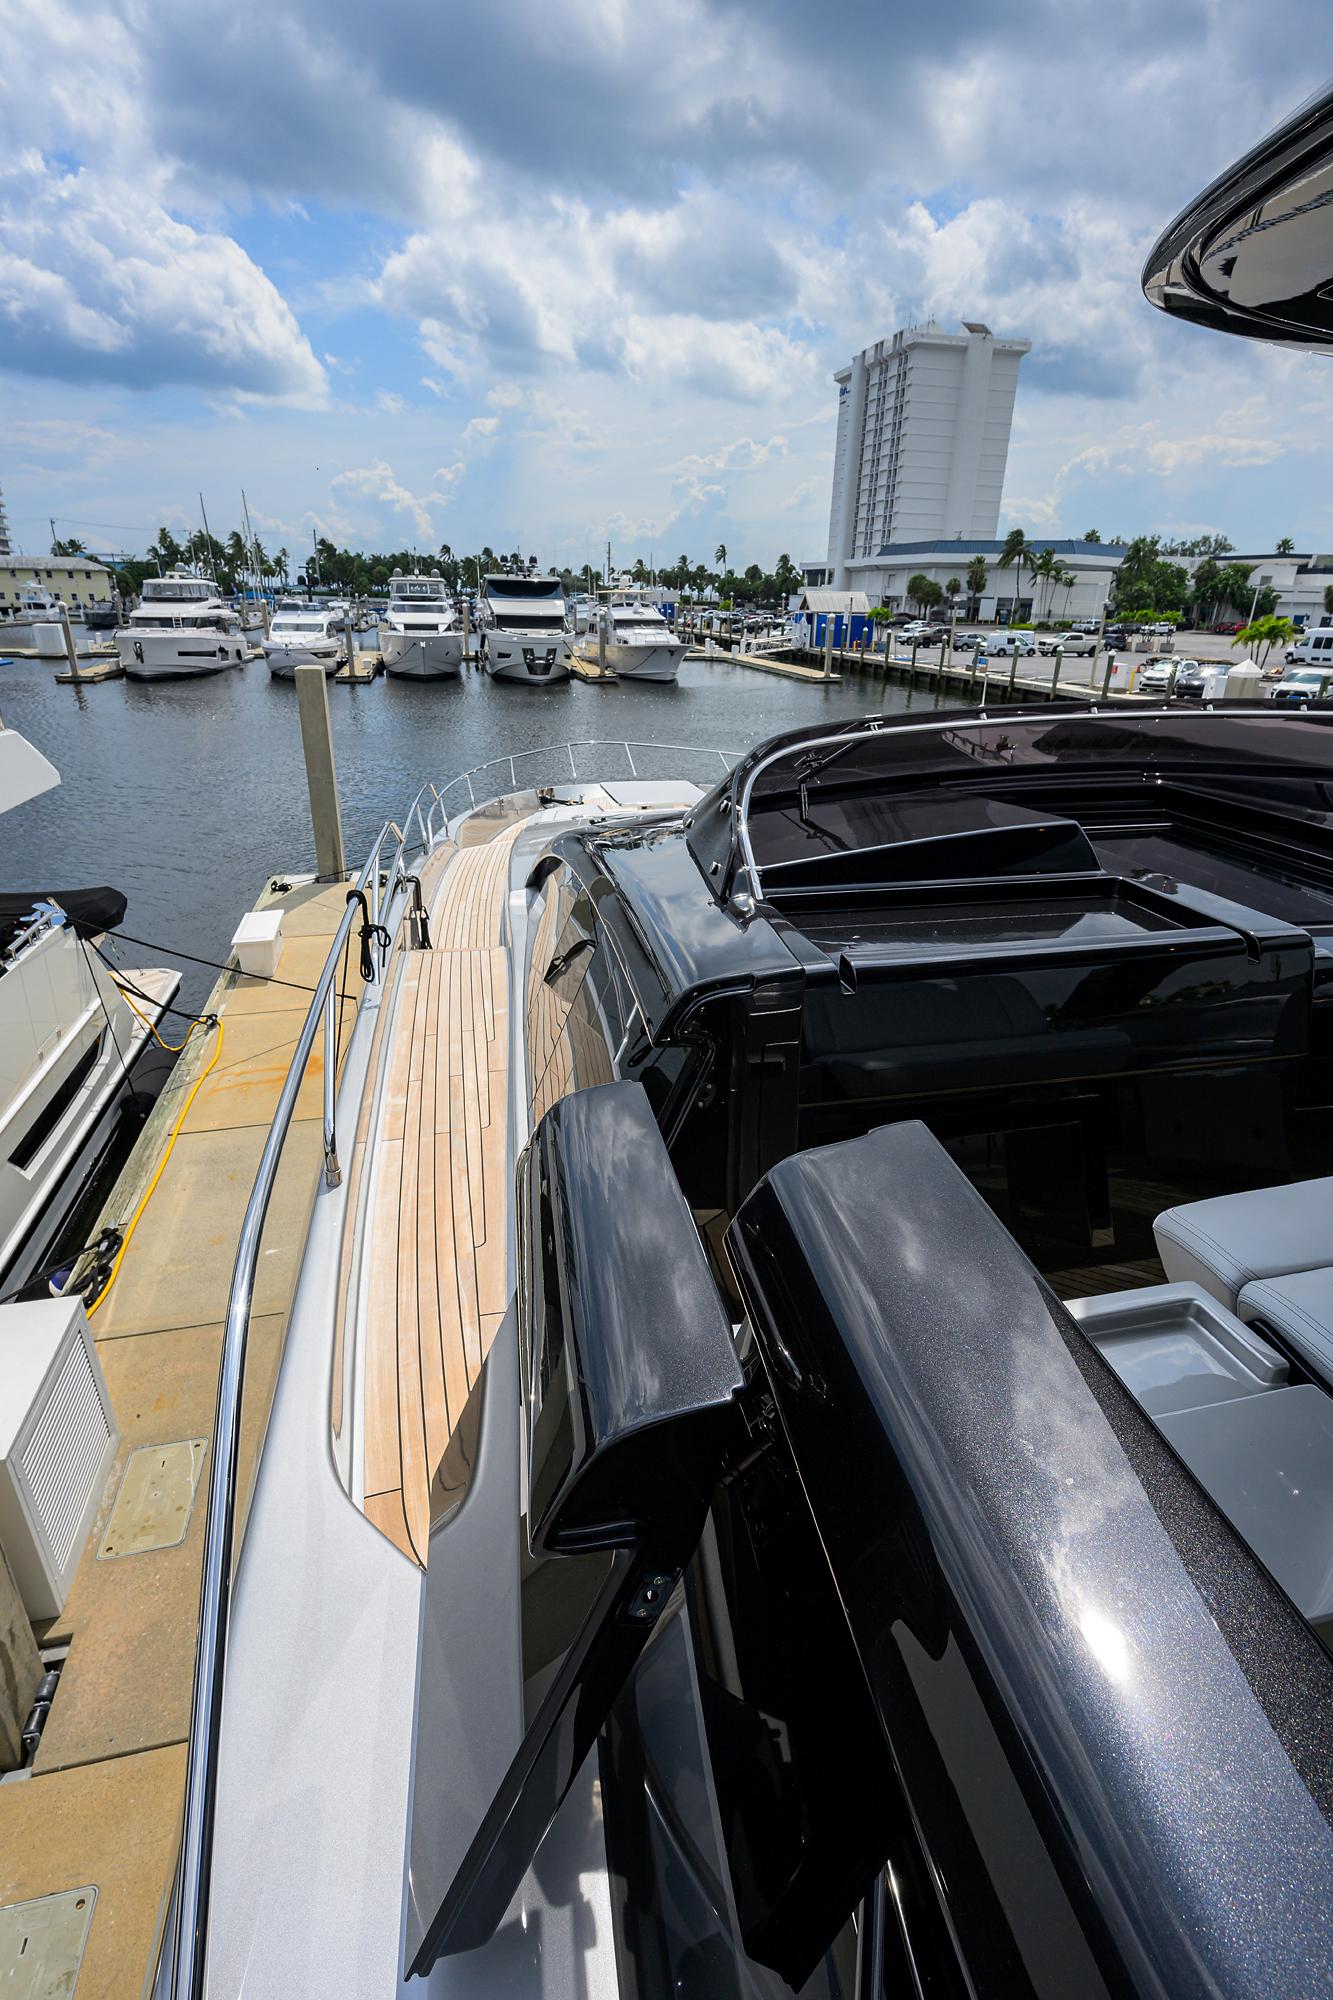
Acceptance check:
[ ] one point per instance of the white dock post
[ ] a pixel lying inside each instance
(71, 652)
(828, 645)
(312, 700)
(467, 634)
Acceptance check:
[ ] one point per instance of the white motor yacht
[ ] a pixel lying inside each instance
(18, 626)
(420, 637)
(69, 1040)
(304, 635)
(629, 635)
(524, 627)
(181, 629)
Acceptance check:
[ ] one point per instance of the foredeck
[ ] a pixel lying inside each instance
(439, 1195)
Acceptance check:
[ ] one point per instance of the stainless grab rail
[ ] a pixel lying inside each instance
(182, 1969)
(187, 1969)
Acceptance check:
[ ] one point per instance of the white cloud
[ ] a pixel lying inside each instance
(379, 484)
(97, 282)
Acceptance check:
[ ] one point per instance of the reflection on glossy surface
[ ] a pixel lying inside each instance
(1254, 253)
(1104, 1794)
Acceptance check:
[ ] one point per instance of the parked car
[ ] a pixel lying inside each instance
(1003, 645)
(1078, 645)
(1154, 675)
(1229, 629)
(1200, 680)
(1085, 625)
(1304, 684)
(967, 642)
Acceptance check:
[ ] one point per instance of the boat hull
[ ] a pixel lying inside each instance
(660, 662)
(421, 656)
(539, 661)
(284, 660)
(178, 656)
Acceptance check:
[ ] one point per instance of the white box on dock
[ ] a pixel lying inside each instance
(257, 942)
(57, 1444)
(49, 641)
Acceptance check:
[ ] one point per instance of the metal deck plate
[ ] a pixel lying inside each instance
(155, 1500)
(42, 1944)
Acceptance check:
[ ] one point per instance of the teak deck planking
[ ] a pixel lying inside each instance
(437, 1286)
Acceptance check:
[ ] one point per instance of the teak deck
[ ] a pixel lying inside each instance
(438, 1204)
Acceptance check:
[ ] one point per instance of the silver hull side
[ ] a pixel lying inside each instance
(537, 660)
(421, 656)
(284, 660)
(644, 663)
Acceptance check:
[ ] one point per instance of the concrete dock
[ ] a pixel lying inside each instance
(101, 1807)
(766, 663)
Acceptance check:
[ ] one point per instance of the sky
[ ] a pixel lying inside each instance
(541, 276)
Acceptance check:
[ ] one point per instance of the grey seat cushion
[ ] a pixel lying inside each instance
(1300, 1308)
(1225, 1244)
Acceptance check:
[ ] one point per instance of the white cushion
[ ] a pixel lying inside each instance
(1225, 1244)
(1300, 1308)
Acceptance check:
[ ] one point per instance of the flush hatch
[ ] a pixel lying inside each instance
(42, 1943)
(155, 1500)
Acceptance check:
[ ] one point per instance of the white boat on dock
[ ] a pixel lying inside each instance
(304, 635)
(420, 637)
(523, 623)
(629, 637)
(180, 630)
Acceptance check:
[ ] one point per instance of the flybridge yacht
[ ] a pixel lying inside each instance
(524, 628)
(305, 635)
(69, 1040)
(180, 629)
(800, 1457)
(628, 634)
(420, 637)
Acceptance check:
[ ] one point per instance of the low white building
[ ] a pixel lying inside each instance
(1300, 581)
(1010, 595)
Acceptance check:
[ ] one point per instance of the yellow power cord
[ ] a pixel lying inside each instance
(172, 1048)
(175, 1133)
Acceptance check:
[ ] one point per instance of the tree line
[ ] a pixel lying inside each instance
(239, 563)
(1149, 582)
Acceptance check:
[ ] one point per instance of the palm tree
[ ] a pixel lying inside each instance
(1092, 534)
(1015, 555)
(720, 555)
(1046, 569)
(1285, 547)
(978, 575)
(280, 562)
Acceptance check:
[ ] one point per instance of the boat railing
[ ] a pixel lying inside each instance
(181, 1971)
(382, 884)
(484, 782)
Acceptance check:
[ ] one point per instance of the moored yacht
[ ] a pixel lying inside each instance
(180, 629)
(420, 637)
(70, 1036)
(305, 635)
(628, 634)
(35, 606)
(523, 624)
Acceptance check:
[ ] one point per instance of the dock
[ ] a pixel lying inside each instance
(584, 669)
(355, 673)
(100, 1811)
(767, 663)
(107, 669)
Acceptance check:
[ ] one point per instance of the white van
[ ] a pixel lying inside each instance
(1004, 644)
(1312, 649)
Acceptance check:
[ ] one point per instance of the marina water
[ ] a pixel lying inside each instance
(186, 794)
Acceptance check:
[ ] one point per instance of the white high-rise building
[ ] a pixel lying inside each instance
(4, 528)
(923, 436)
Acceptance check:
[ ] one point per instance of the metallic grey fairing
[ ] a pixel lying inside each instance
(1253, 254)
(1107, 1720)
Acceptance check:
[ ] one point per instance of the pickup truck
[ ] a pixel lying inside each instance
(1074, 644)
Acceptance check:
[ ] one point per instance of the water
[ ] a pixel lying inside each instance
(188, 794)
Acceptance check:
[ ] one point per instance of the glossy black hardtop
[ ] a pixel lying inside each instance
(1251, 255)
(1114, 1733)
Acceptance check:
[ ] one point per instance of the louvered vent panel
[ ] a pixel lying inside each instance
(62, 1455)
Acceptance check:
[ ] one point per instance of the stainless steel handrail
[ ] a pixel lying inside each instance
(188, 1945)
(181, 1976)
